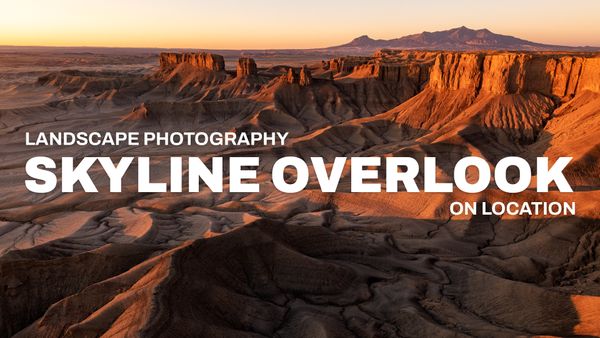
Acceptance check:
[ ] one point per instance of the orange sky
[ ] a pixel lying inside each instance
(261, 24)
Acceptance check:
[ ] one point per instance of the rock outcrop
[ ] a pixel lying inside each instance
(305, 76)
(404, 67)
(246, 67)
(291, 76)
(391, 72)
(208, 61)
(556, 75)
(347, 64)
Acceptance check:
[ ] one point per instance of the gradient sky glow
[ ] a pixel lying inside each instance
(239, 24)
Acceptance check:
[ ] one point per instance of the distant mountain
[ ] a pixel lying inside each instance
(461, 38)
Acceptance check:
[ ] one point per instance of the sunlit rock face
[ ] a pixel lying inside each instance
(207, 61)
(560, 76)
(246, 67)
(305, 76)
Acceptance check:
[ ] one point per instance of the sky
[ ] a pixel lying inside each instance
(272, 24)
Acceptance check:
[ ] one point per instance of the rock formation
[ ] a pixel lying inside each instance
(305, 76)
(347, 64)
(556, 75)
(405, 67)
(291, 76)
(208, 61)
(246, 67)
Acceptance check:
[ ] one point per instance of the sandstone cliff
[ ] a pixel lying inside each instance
(291, 76)
(202, 60)
(558, 75)
(347, 64)
(410, 68)
(305, 76)
(555, 75)
(246, 67)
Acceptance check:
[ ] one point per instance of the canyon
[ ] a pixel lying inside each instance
(310, 263)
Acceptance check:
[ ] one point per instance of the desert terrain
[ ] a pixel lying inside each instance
(310, 264)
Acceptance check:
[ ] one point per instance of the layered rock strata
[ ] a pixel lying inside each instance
(208, 61)
(246, 67)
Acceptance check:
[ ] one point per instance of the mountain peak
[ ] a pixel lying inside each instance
(362, 38)
(459, 38)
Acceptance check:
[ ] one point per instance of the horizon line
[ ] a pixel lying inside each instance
(258, 49)
(295, 48)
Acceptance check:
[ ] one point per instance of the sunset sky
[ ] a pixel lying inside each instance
(238, 24)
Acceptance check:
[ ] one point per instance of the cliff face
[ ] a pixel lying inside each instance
(558, 76)
(390, 72)
(291, 76)
(427, 91)
(305, 76)
(406, 67)
(246, 67)
(496, 102)
(207, 61)
(346, 64)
